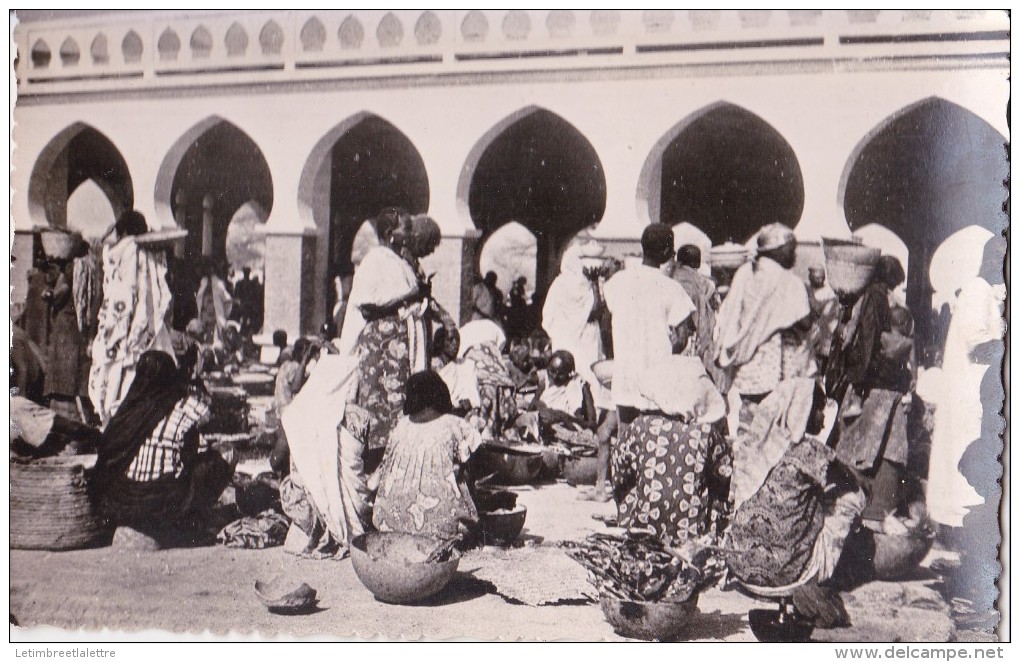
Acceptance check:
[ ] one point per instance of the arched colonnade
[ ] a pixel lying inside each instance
(723, 169)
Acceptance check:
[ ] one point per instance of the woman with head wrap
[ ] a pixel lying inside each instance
(152, 473)
(133, 315)
(385, 327)
(424, 482)
(573, 308)
(494, 408)
(793, 505)
(870, 386)
(418, 237)
(762, 321)
(671, 467)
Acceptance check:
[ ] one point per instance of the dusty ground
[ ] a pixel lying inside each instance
(210, 589)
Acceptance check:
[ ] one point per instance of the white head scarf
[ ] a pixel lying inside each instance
(680, 386)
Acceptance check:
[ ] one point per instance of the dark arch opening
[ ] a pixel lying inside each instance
(928, 172)
(543, 173)
(78, 154)
(222, 170)
(373, 165)
(728, 173)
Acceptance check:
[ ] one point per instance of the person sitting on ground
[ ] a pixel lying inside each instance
(567, 399)
(445, 347)
(424, 479)
(672, 464)
(495, 408)
(280, 343)
(238, 349)
(540, 350)
(38, 431)
(152, 473)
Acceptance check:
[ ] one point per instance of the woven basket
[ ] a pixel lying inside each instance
(848, 264)
(50, 505)
(58, 245)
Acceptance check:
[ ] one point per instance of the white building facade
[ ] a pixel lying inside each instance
(564, 121)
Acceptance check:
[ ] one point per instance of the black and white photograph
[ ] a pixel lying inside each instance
(586, 325)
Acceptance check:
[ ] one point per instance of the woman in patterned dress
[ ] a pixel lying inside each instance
(385, 327)
(424, 483)
(671, 467)
(793, 505)
(494, 407)
(133, 315)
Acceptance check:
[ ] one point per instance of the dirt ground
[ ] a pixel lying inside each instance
(211, 590)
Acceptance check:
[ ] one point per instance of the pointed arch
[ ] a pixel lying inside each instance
(218, 163)
(76, 154)
(927, 172)
(955, 142)
(726, 171)
(360, 166)
(535, 168)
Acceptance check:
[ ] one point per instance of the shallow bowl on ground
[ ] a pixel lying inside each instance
(511, 468)
(651, 621)
(282, 598)
(768, 626)
(899, 555)
(580, 470)
(503, 526)
(392, 566)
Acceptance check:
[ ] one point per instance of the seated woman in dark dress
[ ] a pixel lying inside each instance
(152, 474)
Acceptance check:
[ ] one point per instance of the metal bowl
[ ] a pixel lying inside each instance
(580, 470)
(392, 566)
(651, 621)
(511, 468)
(502, 527)
(280, 599)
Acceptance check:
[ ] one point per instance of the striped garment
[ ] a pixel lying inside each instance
(160, 455)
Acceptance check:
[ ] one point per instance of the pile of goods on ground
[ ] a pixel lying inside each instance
(637, 567)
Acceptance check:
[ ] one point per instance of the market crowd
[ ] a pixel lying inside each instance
(770, 418)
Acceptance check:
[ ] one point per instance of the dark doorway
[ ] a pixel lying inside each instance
(728, 173)
(929, 172)
(80, 154)
(221, 171)
(543, 173)
(373, 166)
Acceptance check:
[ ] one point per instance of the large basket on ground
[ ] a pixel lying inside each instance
(849, 264)
(50, 505)
(58, 245)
